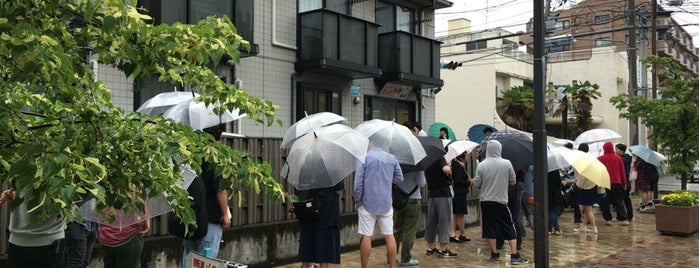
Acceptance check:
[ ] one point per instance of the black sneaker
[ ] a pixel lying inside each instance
(464, 238)
(515, 259)
(577, 221)
(446, 254)
(454, 240)
(650, 204)
(494, 257)
(431, 252)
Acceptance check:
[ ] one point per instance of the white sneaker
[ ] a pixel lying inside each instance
(593, 229)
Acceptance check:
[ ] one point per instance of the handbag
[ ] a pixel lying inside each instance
(306, 210)
(400, 198)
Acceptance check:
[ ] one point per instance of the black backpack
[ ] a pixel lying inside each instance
(197, 190)
(652, 175)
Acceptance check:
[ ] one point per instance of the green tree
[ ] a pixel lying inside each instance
(673, 118)
(61, 138)
(516, 107)
(581, 96)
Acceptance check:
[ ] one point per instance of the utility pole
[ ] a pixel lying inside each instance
(643, 51)
(631, 52)
(541, 242)
(654, 52)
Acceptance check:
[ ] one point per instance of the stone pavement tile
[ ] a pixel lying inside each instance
(636, 245)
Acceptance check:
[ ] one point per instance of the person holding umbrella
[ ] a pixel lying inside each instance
(462, 183)
(620, 149)
(642, 183)
(319, 240)
(372, 198)
(586, 196)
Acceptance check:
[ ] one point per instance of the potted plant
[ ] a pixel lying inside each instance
(678, 213)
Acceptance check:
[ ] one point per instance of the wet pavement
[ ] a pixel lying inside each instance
(636, 245)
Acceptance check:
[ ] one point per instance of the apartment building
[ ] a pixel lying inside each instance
(362, 59)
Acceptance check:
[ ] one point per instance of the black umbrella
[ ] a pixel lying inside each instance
(516, 147)
(434, 150)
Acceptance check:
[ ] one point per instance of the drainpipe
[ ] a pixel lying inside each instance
(275, 42)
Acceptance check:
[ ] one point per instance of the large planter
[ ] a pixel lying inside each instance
(673, 220)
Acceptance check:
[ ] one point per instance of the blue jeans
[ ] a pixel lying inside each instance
(553, 219)
(212, 239)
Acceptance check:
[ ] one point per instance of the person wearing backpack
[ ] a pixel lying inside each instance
(216, 209)
(643, 182)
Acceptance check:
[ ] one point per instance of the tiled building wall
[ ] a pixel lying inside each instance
(120, 86)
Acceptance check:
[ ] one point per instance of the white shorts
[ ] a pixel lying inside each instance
(367, 221)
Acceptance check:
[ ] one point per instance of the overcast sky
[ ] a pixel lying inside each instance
(512, 15)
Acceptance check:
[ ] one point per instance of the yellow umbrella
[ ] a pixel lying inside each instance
(585, 164)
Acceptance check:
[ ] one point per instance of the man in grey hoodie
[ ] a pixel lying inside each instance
(493, 176)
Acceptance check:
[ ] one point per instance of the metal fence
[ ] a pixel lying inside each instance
(255, 208)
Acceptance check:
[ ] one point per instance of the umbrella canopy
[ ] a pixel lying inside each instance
(433, 130)
(434, 150)
(154, 207)
(475, 132)
(308, 124)
(516, 147)
(395, 139)
(457, 148)
(199, 116)
(160, 103)
(585, 164)
(647, 154)
(563, 142)
(324, 157)
(597, 135)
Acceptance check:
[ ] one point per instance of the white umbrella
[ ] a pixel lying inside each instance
(308, 124)
(457, 148)
(324, 157)
(160, 103)
(562, 142)
(597, 135)
(200, 116)
(395, 139)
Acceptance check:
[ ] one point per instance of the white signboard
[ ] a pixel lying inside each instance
(196, 260)
(395, 91)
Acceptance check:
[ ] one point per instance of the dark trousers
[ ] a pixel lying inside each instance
(627, 202)
(616, 198)
(515, 209)
(79, 243)
(577, 215)
(127, 255)
(51, 256)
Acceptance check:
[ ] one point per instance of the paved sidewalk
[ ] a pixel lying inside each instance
(637, 245)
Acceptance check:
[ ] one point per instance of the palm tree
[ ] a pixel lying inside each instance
(581, 96)
(516, 107)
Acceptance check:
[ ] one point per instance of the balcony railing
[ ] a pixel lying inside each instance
(408, 58)
(344, 45)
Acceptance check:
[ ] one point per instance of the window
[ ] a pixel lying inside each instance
(393, 18)
(565, 24)
(389, 109)
(560, 48)
(603, 42)
(311, 99)
(476, 45)
(602, 19)
(240, 12)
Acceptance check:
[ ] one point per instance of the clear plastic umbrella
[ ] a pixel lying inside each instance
(308, 124)
(153, 207)
(160, 103)
(200, 116)
(395, 139)
(324, 157)
(597, 135)
(457, 148)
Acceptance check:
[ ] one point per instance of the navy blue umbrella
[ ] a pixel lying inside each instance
(475, 133)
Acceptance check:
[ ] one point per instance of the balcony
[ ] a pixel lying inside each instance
(409, 59)
(337, 44)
